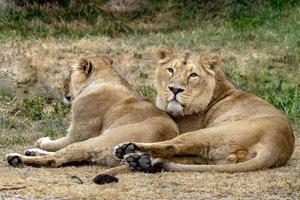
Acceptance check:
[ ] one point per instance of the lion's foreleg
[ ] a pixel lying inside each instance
(76, 152)
(53, 145)
(164, 149)
(185, 145)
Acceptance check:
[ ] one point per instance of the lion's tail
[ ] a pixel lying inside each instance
(262, 160)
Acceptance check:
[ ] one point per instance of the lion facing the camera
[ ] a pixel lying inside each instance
(224, 129)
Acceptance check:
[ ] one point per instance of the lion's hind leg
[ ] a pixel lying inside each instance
(165, 149)
(77, 152)
(143, 162)
(16, 160)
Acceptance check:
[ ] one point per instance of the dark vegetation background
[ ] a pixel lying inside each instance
(77, 18)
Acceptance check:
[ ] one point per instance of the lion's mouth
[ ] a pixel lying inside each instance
(174, 100)
(174, 107)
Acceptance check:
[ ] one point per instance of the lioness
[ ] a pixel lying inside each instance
(106, 111)
(225, 129)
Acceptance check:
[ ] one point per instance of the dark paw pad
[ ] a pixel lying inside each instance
(139, 162)
(124, 149)
(30, 153)
(105, 179)
(14, 160)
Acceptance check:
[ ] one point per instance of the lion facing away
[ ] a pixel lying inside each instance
(105, 111)
(224, 129)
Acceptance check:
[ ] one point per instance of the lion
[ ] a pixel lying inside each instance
(223, 128)
(105, 111)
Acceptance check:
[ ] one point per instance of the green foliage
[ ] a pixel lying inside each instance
(39, 20)
(147, 92)
(43, 18)
(54, 127)
(33, 108)
(60, 108)
(249, 14)
(28, 115)
(272, 86)
(8, 122)
(13, 140)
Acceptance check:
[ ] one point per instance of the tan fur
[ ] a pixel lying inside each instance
(224, 129)
(106, 111)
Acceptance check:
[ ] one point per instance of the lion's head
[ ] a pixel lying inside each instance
(185, 82)
(84, 74)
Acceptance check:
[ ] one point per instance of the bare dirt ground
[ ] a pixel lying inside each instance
(37, 67)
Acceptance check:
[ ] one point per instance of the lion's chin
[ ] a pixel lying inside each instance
(174, 108)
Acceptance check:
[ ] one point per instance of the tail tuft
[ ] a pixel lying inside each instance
(105, 179)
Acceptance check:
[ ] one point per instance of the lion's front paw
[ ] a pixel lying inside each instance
(14, 159)
(42, 141)
(123, 149)
(35, 152)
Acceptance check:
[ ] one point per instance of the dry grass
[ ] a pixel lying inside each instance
(44, 62)
(50, 183)
(36, 67)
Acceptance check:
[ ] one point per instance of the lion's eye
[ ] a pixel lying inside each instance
(193, 75)
(170, 70)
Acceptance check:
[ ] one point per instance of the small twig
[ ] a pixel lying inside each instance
(12, 187)
(80, 181)
(17, 113)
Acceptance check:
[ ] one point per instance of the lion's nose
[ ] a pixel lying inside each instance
(176, 90)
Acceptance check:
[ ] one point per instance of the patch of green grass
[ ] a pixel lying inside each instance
(34, 108)
(28, 119)
(9, 122)
(41, 21)
(16, 139)
(147, 92)
(272, 86)
(77, 19)
(52, 127)
(48, 132)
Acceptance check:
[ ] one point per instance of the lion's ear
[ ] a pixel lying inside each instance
(213, 60)
(85, 66)
(164, 54)
(107, 60)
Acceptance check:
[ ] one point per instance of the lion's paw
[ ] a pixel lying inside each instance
(14, 159)
(139, 161)
(142, 162)
(40, 142)
(122, 149)
(35, 152)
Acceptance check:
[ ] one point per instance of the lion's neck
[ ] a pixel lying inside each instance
(189, 123)
(222, 90)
